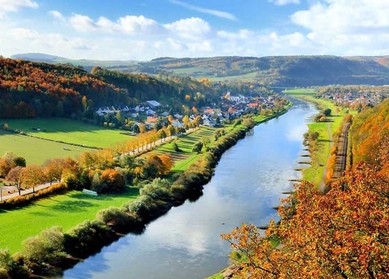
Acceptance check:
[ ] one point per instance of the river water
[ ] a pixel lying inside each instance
(185, 243)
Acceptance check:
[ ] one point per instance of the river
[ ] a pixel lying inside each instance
(185, 243)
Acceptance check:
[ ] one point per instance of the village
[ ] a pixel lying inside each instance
(230, 108)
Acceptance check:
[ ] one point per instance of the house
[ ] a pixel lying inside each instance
(150, 112)
(153, 103)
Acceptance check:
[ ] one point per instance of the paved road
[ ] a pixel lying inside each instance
(7, 196)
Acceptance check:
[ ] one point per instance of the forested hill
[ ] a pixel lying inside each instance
(281, 70)
(271, 70)
(29, 89)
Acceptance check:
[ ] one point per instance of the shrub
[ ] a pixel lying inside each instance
(46, 247)
(88, 238)
(118, 220)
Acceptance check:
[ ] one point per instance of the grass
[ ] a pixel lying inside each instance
(36, 151)
(65, 211)
(321, 153)
(300, 91)
(69, 131)
(185, 157)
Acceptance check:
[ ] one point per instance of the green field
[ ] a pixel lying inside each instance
(69, 131)
(300, 91)
(36, 151)
(65, 211)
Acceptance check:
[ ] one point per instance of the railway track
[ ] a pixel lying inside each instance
(341, 156)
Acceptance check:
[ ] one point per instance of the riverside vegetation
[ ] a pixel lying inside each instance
(54, 248)
(340, 233)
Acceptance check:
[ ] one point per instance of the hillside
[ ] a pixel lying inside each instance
(30, 89)
(272, 70)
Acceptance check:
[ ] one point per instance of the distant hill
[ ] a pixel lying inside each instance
(38, 57)
(271, 70)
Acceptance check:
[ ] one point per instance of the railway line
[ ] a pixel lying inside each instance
(341, 156)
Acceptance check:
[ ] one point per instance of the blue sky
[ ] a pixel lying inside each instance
(147, 29)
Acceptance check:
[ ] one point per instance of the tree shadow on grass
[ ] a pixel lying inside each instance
(71, 206)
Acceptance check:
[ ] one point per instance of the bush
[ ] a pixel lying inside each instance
(46, 247)
(88, 238)
(118, 220)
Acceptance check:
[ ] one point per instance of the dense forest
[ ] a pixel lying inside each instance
(342, 233)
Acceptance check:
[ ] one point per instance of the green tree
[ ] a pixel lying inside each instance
(45, 247)
(197, 147)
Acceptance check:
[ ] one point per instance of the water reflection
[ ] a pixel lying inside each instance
(185, 243)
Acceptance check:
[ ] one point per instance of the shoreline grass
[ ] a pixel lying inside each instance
(65, 210)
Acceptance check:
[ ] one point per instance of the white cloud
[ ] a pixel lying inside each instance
(83, 23)
(284, 2)
(344, 16)
(15, 5)
(206, 11)
(56, 15)
(190, 28)
(7, 6)
(139, 24)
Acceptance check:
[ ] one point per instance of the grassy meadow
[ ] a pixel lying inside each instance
(69, 131)
(37, 151)
(65, 211)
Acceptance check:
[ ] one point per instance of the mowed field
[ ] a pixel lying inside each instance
(65, 211)
(37, 151)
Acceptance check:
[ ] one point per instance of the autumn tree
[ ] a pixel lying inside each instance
(15, 175)
(53, 169)
(113, 179)
(341, 234)
(33, 176)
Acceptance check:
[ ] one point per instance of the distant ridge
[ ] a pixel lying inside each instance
(38, 57)
(277, 71)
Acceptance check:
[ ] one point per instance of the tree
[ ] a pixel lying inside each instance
(162, 134)
(340, 234)
(46, 246)
(32, 176)
(15, 175)
(327, 112)
(167, 163)
(197, 147)
(205, 141)
(19, 161)
(53, 169)
(113, 179)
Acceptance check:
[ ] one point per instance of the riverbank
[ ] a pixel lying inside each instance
(185, 243)
(207, 159)
(320, 151)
